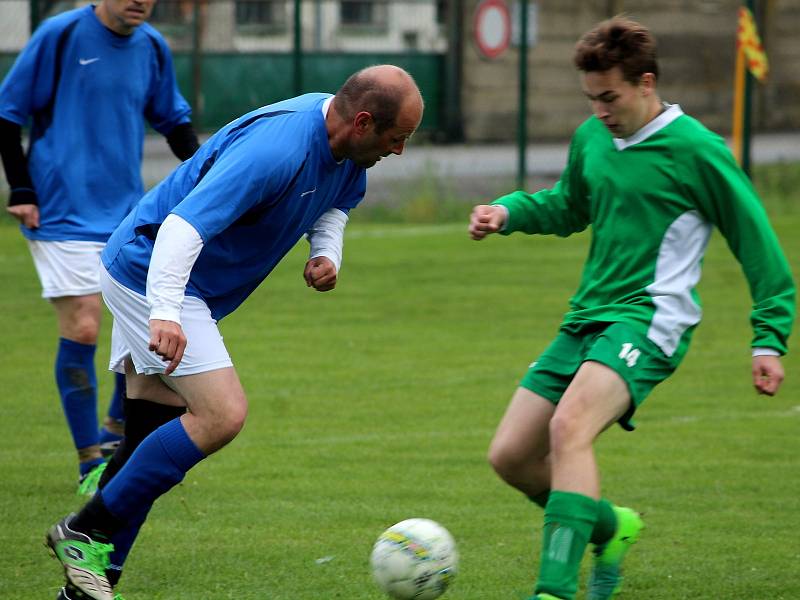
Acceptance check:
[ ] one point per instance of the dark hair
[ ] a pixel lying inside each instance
(362, 92)
(618, 42)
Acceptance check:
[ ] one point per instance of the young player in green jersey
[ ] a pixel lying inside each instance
(652, 182)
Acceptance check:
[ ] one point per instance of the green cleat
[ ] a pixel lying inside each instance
(107, 449)
(87, 485)
(84, 560)
(70, 593)
(605, 580)
(544, 597)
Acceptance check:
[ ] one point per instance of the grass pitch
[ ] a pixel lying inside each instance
(376, 402)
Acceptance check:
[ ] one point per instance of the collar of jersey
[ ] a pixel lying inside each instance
(115, 39)
(326, 106)
(672, 112)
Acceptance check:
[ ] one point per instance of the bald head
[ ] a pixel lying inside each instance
(384, 91)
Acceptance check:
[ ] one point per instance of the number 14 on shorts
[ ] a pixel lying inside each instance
(629, 354)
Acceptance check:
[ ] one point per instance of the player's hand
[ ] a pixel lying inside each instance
(27, 214)
(168, 341)
(767, 374)
(320, 273)
(486, 219)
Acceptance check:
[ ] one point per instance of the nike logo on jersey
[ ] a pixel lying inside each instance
(87, 61)
(308, 192)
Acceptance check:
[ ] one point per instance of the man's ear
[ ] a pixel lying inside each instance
(648, 83)
(362, 122)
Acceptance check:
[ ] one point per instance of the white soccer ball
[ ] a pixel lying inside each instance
(415, 559)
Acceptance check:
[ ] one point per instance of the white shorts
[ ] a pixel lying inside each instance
(130, 333)
(68, 268)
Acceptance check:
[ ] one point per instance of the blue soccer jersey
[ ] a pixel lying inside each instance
(251, 191)
(88, 91)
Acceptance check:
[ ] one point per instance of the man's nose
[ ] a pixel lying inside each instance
(600, 109)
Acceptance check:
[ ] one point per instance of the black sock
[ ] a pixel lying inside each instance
(96, 521)
(142, 417)
(113, 576)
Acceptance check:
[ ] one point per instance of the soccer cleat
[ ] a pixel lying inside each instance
(70, 593)
(107, 449)
(87, 485)
(64, 595)
(109, 440)
(544, 597)
(605, 580)
(84, 560)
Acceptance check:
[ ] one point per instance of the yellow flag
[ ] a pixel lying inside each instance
(747, 39)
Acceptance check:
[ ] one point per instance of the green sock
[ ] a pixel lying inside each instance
(606, 524)
(568, 522)
(540, 499)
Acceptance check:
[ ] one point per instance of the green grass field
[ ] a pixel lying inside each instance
(376, 402)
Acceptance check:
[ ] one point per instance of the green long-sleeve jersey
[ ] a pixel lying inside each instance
(652, 201)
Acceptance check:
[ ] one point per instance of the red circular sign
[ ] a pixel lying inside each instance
(492, 25)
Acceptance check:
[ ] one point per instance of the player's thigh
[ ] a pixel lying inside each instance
(596, 398)
(79, 317)
(212, 395)
(638, 361)
(149, 387)
(522, 434)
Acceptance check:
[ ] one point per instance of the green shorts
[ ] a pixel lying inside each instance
(620, 346)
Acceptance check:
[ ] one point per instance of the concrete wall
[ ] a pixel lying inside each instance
(696, 56)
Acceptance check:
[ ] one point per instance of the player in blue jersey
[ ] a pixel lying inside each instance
(86, 82)
(192, 250)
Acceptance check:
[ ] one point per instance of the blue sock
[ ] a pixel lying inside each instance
(156, 466)
(77, 385)
(85, 467)
(123, 542)
(115, 409)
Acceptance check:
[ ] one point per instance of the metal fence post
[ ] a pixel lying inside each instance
(297, 50)
(35, 14)
(197, 57)
(452, 117)
(522, 125)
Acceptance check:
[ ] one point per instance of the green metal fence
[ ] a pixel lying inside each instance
(232, 56)
(232, 84)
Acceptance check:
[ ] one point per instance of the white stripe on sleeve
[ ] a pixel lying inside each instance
(176, 249)
(326, 236)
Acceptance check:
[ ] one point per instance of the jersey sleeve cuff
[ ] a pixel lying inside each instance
(23, 196)
(765, 352)
(505, 229)
(165, 313)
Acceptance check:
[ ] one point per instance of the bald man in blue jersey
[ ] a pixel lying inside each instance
(86, 82)
(189, 254)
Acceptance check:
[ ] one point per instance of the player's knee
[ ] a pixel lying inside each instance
(80, 326)
(505, 462)
(496, 460)
(567, 432)
(84, 331)
(232, 421)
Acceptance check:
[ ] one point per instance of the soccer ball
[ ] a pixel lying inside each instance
(415, 559)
